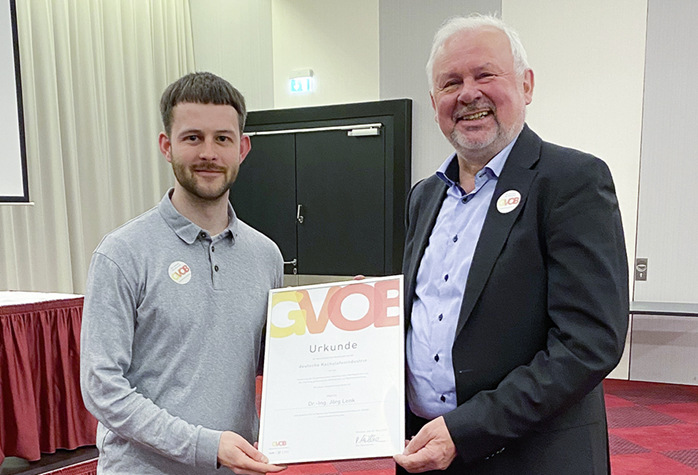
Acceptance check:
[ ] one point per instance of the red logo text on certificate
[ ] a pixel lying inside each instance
(382, 297)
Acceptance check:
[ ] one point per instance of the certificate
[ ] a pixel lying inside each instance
(334, 379)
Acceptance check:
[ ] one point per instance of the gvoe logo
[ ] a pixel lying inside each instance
(179, 272)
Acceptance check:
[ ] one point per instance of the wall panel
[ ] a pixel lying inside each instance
(668, 213)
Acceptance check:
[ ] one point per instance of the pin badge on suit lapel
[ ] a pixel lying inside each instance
(508, 201)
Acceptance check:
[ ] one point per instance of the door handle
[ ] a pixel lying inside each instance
(293, 263)
(299, 216)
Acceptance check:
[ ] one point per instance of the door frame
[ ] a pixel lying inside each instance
(398, 152)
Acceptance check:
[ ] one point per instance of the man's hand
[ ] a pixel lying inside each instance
(431, 449)
(238, 455)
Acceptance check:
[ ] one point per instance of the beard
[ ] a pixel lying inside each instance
(208, 190)
(461, 141)
(499, 135)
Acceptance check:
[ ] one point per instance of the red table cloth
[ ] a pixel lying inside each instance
(41, 408)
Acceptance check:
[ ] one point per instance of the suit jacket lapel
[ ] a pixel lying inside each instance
(434, 193)
(516, 175)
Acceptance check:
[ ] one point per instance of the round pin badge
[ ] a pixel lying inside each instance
(508, 201)
(179, 272)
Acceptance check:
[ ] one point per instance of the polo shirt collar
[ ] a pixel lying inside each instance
(185, 229)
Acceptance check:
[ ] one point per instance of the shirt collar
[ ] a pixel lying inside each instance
(185, 229)
(449, 172)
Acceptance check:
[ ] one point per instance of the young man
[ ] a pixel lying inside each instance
(175, 306)
(516, 278)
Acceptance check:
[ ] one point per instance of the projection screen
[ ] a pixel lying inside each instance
(13, 162)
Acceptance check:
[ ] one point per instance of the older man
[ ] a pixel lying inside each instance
(516, 275)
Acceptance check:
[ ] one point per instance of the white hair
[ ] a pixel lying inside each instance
(473, 22)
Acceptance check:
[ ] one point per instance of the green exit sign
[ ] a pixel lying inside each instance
(301, 84)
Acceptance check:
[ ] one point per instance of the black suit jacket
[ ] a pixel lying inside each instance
(544, 315)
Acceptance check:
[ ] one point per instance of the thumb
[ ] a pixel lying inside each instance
(415, 444)
(255, 454)
(249, 450)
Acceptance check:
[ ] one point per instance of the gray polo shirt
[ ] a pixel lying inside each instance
(171, 337)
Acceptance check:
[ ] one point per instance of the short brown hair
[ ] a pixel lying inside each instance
(201, 88)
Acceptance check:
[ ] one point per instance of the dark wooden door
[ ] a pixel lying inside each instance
(264, 194)
(341, 193)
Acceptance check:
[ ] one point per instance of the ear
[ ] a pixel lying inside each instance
(245, 147)
(165, 146)
(433, 106)
(528, 82)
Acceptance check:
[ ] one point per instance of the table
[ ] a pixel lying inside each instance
(662, 342)
(41, 408)
(672, 309)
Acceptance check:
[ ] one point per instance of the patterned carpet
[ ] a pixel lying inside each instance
(653, 428)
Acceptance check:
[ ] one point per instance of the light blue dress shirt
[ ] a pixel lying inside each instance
(441, 279)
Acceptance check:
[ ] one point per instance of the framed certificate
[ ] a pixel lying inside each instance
(333, 386)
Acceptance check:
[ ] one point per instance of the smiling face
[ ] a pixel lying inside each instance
(205, 148)
(479, 100)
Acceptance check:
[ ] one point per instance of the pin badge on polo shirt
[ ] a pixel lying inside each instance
(508, 201)
(179, 272)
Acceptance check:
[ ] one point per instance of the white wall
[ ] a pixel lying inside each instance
(588, 59)
(337, 39)
(668, 213)
(233, 39)
(407, 28)
(589, 62)
(665, 348)
(257, 44)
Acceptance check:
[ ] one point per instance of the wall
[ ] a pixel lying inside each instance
(666, 348)
(233, 38)
(588, 89)
(589, 62)
(668, 214)
(406, 31)
(257, 44)
(588, 59)
(337, 39)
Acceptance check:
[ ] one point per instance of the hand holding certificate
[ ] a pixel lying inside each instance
(334, 372)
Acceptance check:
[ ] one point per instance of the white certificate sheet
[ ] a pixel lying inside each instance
(333, 384)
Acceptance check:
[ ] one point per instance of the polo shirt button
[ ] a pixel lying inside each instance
(436, 358)
(215, 268)
(455, 238)
(213, 248)
(441, 317)
(443, 398)
(464, 200)
(446, 278)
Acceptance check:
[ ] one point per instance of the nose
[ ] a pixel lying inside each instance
(208, 150)
(469, 92)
